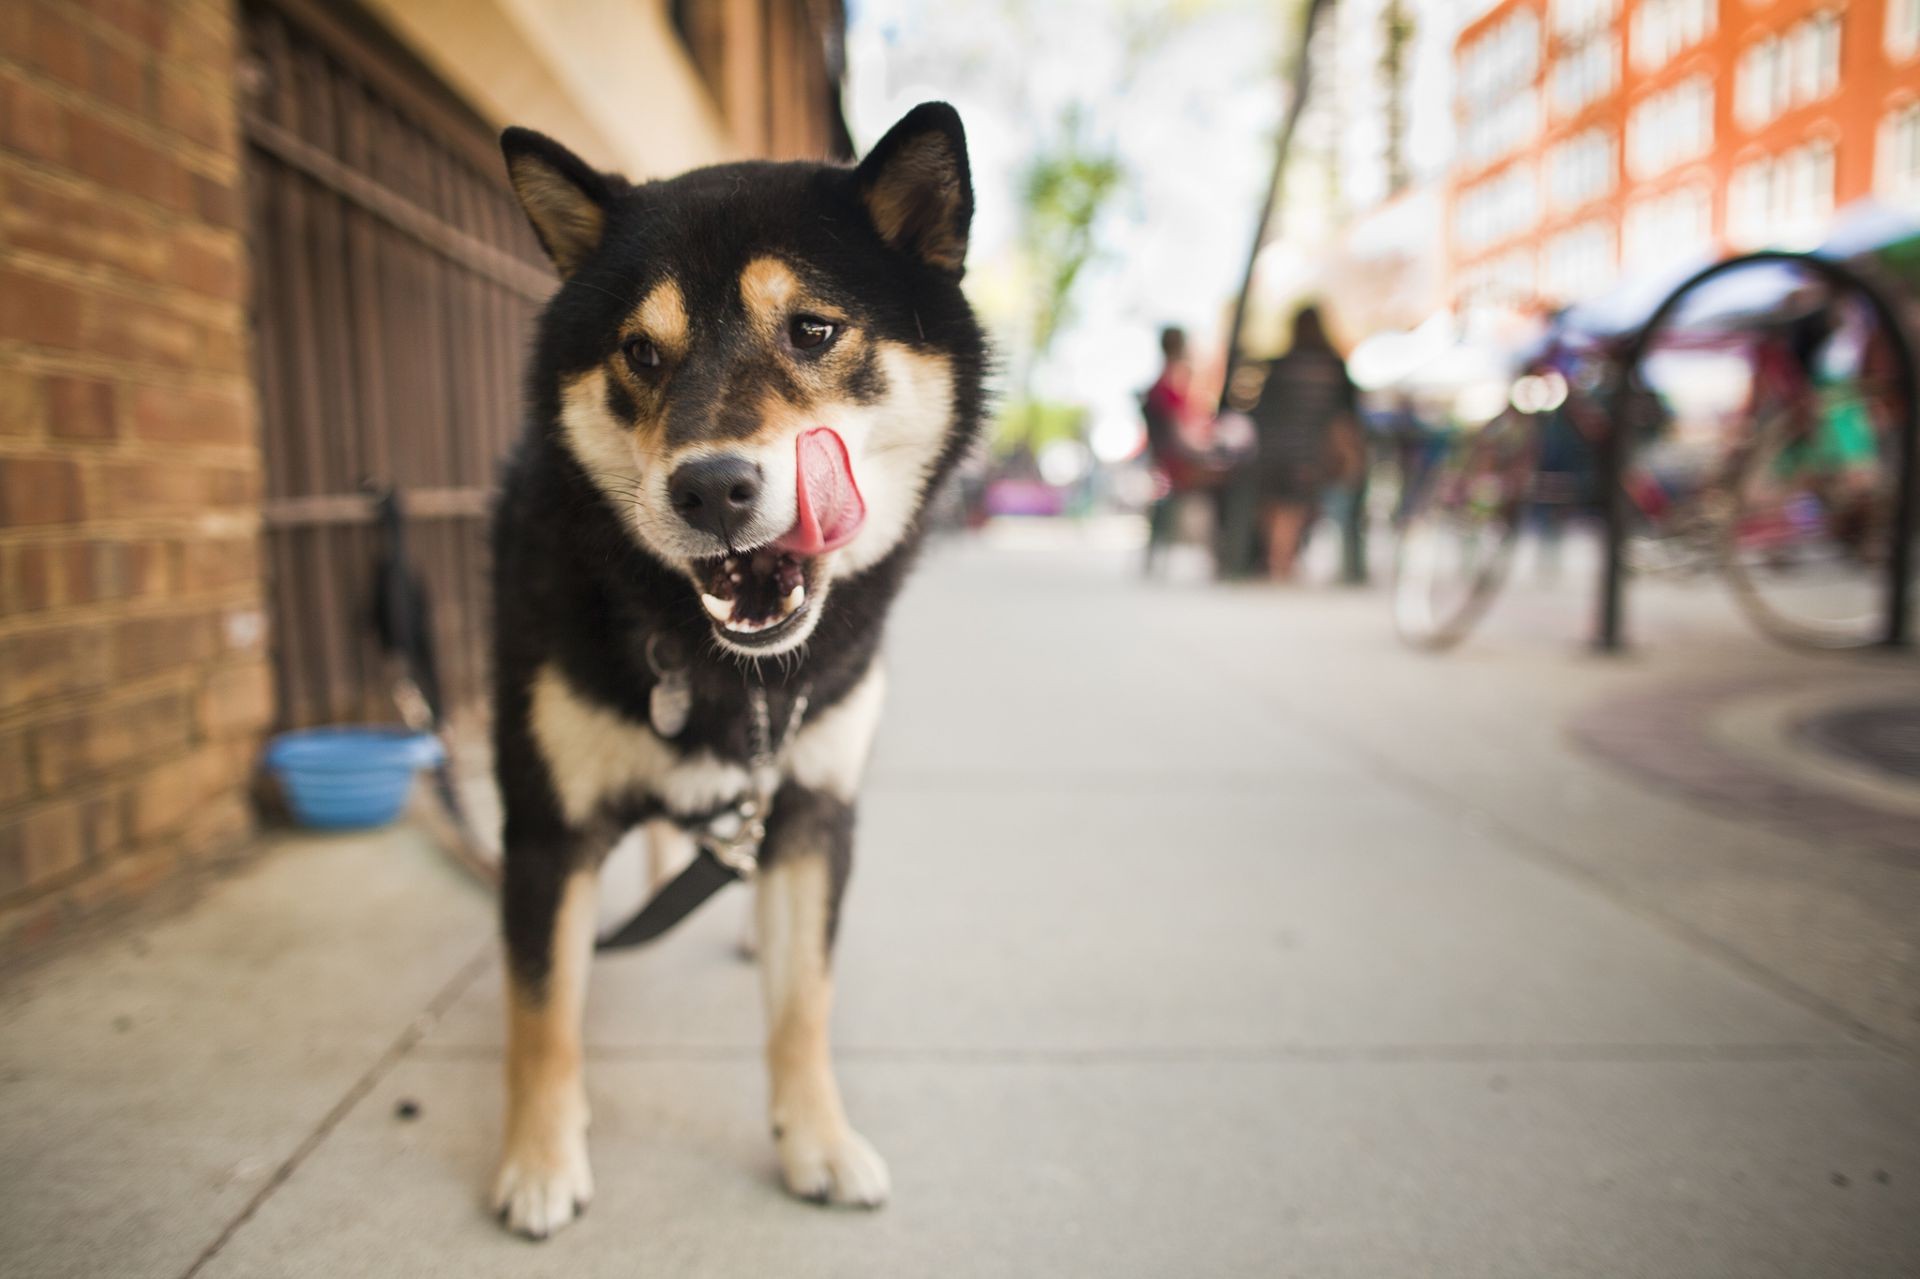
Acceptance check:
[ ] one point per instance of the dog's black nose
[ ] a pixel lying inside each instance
(716, 494)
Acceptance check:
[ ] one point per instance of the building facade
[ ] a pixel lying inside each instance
(257, 259)
(1601, 138)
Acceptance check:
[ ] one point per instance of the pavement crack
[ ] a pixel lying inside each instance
(415, 1029)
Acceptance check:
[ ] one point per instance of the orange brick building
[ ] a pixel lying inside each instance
(1603, 138)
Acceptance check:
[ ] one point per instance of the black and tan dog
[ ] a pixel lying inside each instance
(748, 384)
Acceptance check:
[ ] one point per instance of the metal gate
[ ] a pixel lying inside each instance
(395, 283)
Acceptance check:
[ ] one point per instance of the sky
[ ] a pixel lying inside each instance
(1185, 92)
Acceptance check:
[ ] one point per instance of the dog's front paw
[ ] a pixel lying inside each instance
(543, 1185)
(837, 1168)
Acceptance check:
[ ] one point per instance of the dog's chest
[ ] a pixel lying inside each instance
(595, 755)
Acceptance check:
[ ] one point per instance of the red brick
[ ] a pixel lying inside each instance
(115, 158)
(41, 844)
(237, 699)
(37, 664)
(83, 227)
(37, 491)
(146, 332)
(210, 262)
(119, 77)
(143, 645)
(216, 202)
(81, 408)
(31, 122)
(173, 488)
(131, 570)
(23, 405)
(141, 20)
(167, 796)
(58, 47)
(16, 779)
(202, 39)
(190, 108)
(105, 737)
(42, 311)
(169, 415)
(215, 564)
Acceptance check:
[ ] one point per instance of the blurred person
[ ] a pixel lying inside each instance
(1309, 441)
(1173, 416)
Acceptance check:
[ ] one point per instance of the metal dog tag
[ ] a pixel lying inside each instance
(669, 704)
(671, 700)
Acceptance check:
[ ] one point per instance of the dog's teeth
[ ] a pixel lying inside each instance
(720, 610)
(796, 597)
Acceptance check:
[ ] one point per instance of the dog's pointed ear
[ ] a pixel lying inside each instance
(917, 188)
(564, 198)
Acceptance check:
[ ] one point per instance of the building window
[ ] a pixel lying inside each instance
(1578, 262)
(1784, 200)
(1585, 74)
(1663, 29)
(1903, 29)
(1502, 281)
(1581, 168)
(1499, 107)
(1670, 127)
(1574, 20)
(1669, 227)
(1496, 209)
(1897, 167)
(1788, 70)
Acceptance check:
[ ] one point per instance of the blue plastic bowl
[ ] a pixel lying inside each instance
(350, 778)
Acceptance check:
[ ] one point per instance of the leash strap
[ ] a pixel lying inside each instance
(684, 894)
(729, 840)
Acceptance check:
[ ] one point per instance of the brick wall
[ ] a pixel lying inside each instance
(133, 684)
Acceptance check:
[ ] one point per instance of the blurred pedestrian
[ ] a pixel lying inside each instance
(1310, 440)
(1173, 417)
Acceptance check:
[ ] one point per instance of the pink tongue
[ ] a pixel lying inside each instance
(830, 508)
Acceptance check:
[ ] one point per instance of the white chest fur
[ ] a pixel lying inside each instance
(593, 754)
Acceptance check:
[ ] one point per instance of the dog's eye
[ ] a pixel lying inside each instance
(810, 332)
(642, 355)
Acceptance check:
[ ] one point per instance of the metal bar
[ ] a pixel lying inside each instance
(373, 61)
(403, 215)
(358, 508)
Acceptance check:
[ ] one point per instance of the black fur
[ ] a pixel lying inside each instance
(573, 586)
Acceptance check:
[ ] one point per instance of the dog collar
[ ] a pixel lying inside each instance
(729, 839)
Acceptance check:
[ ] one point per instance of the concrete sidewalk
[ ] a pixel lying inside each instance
(1193, 932)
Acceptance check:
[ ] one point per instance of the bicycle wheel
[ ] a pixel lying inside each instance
(1457, 542)
(1807, 544)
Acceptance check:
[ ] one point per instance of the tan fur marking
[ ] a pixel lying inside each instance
(820, 1153)
(544, 1171)
(662, 316)
(799, 992)
(768, 289)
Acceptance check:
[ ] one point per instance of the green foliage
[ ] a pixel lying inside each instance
(1066, 186)
(1035, 424)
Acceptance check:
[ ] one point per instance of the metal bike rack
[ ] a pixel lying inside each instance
(1616, 447)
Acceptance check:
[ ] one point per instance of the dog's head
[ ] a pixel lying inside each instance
(761, 366)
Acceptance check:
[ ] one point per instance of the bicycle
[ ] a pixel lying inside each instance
(1791, 489)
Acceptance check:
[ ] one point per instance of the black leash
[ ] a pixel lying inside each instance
(729, 840)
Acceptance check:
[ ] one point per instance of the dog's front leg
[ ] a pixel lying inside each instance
(809, 851)
(544, 1180)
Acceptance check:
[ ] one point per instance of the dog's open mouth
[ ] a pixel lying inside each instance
(754, 595)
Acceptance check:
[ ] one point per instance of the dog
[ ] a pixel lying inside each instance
(750, 382)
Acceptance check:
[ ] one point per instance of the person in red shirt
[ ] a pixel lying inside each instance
(1173, 416)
